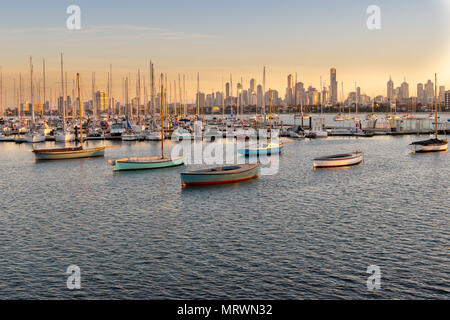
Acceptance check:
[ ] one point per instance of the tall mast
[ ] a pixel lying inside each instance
(32, 93)
(198, 95)
(80, 110)
(223, 102)
(162, 116)
(1, 92)
(20, 93)
(111, 107)
(231, 93)
(93, 94)
(62, 93)
(67, 95)
(435, 106)
(270, 114)
(43, 71)
(184, 94)
(179, 89)
(126, 98)
(138, 82)
(264, 90)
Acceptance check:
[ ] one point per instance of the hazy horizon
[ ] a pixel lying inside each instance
(221, 38)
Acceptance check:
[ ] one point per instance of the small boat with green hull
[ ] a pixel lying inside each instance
(220, 175)
(147, 163)
(157, 162)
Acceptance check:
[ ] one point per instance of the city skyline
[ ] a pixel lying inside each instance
(312, 39)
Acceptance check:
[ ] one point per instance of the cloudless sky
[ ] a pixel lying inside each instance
(219, 37)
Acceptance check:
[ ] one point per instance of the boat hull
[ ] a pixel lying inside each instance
(260, 151)
(429, 148)
(130, 164)
(202, 177)
(70, 153)
(346, 160)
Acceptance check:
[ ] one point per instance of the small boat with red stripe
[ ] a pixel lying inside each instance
(220, 175)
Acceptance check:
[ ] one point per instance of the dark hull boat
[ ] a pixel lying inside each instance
(431, 145)
(220, 175)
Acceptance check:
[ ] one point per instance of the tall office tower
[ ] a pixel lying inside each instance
(404, 94)
(299, 93)
(290, 90)
(358, 94)
(101, 101)
(420, 93)
(441, 94)
(227, 89)
(429, 92)
(252, 86)
(447, 100)
(259, 96)
(390, 90)
(333, 87)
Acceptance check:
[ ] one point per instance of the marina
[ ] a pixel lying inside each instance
(225, 159)
(142, 244)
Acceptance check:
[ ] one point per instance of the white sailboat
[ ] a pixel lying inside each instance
(64, 135)
(33, 136)
(435, 144)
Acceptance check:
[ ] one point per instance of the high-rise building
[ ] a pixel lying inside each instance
(390, 89)
(290, 90)
(447, 100)
(420, 93)
(429, 92)
(252, 86)
(333, 87)
(441, 94)
(259, 96)
(227, 89)
(404, 91)
(101, 101)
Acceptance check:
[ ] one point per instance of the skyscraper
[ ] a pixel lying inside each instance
(429, 92)
(252, 86)
(404, 91)
(390, 89)
(227, 89)
(420, 93)
(333, 87)
(290, 90)
(447, 100)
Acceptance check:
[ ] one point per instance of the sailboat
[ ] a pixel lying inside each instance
(435, 144)
(33, 136)
(74, 152)
(264, 148)
(151, 162)
(65, 135)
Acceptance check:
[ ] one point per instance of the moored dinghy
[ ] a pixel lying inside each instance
(71, 153)
(339, 160)
(431, 145)
(435, 144)
(152, 162)
(147, 163)
(262, 149)
(220, 175)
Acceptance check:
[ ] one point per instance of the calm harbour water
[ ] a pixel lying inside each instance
(299, 234)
